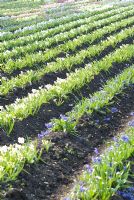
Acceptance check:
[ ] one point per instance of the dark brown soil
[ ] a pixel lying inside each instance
(69, 152)
(31, 33)
(44, 180)
(51, 77)
(33, 125)
(85, 45)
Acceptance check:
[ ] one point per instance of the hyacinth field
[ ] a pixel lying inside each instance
(66, 100)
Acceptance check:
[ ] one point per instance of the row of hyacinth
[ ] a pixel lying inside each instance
(30, 59)
(107, 175)
(49, 126)
(26, 106)
(77, 27)
(24, 78)
(44, 33)
(97, 101)
(48, 24)
(13, 157)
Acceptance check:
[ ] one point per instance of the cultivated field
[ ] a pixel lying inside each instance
(66, 100)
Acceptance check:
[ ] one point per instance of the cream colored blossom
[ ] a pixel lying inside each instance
(21, 140)
(4, 149)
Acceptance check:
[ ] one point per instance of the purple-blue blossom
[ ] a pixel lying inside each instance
(82, 189)
(49, 125)
(89, 169)
(132, 113)
(107, 119)
(110, 148)
(127, 194)
(97, 121)
(115, 139)
(131, 189)
(125, 138)
(63, 117)
(114, 110)
(96, 160)
(40, 136)
(96, 151)
(67, 198)
(131, 123)
(43, 133)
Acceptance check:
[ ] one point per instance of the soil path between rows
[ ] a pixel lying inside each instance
(46, 180)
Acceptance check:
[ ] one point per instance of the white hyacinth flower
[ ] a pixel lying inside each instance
(21, 140)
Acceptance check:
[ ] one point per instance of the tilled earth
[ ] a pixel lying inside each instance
(44, 180)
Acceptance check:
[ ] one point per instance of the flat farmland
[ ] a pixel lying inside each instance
(66, 100)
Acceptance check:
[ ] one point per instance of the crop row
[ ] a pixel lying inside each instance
(42, 31)
(14, 157)
(66, 7)
(45, 25)
(19, 8)
(24, 107)
(62, 9)
(40, 35)
(89, 26)
(62, 13)
(9, 24)
(51, 32)
(97, 101)
(31, 60)
(68, 63)
(108, 172)
(18, 5)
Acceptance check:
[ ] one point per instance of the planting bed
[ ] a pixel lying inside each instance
(66, 89)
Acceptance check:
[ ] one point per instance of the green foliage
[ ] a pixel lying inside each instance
(14, 157)
(97, 100)
(68, 63)
(108, 172)
(24, 107)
